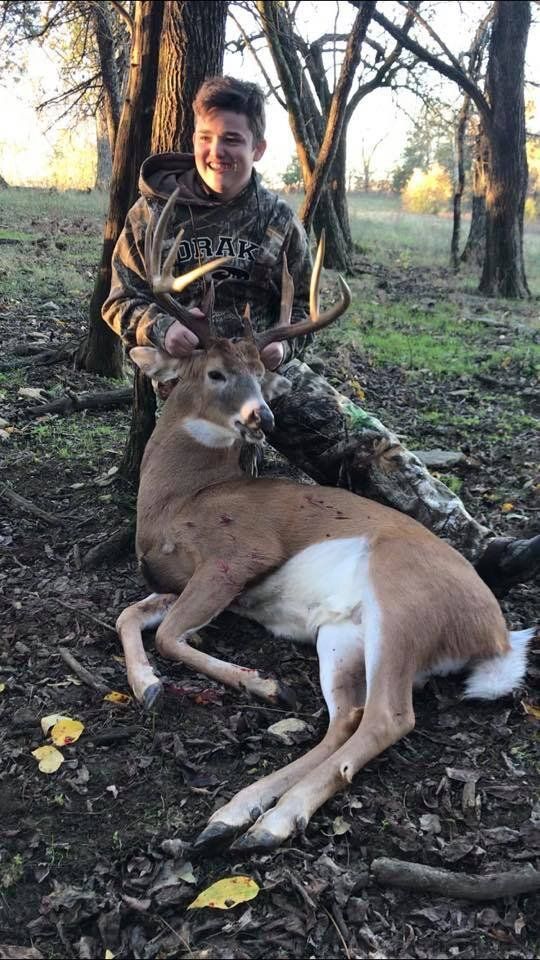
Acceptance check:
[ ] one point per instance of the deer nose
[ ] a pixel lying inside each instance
(257, 417)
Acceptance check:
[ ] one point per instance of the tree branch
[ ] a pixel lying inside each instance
(124, 14)
(448, 70)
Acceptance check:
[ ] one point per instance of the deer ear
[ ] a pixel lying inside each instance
(274, 385)
(155, 363)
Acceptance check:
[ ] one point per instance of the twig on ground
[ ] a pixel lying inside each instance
(7, 494)
(82, 672)
(84, 613)
(114, 734)
(433, 880)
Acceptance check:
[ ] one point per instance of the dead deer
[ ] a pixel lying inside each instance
(385, 601)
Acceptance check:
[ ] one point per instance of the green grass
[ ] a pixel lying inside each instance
(437, 339)
(74, 438)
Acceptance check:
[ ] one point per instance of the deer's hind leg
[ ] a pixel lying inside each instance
(341, 667)
(388, 715)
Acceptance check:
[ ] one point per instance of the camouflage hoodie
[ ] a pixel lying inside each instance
(255, 227)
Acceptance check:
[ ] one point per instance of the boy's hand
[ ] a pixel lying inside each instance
(179, 340)
(272, 355)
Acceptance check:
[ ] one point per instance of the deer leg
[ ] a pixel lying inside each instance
(341, 668)
(205, 596)
(144, 615)
(388, 716)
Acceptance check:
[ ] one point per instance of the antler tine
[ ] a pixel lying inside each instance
(163, 280)
(287, 295)
(248, 328)
(316, 320)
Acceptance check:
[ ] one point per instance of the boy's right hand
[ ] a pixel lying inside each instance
(179, 340)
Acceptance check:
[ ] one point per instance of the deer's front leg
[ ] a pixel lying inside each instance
(144, 615)
(211, 590)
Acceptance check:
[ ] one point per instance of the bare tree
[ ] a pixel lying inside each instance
(318, 115)
(502, 113)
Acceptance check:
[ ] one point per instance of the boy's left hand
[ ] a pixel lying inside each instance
(272, 355)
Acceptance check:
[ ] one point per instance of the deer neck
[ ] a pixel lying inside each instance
(191, 455)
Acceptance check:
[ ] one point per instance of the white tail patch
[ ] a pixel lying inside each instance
(498, 676)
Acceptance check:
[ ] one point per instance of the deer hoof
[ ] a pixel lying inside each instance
(256, 840)
(151, 697)
(286, 696)
(213, 833)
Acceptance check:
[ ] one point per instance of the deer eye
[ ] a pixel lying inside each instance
(216, 375)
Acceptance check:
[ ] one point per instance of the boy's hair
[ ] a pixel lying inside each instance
(238, 96)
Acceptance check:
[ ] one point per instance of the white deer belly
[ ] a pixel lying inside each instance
(325, 583)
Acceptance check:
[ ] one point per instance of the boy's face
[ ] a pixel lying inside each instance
(224, 151)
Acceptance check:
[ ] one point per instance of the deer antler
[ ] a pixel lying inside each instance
(285, 330)
(161, 278)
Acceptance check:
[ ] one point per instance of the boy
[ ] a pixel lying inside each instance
(225, 211)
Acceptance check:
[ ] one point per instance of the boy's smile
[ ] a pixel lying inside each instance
(224, 151)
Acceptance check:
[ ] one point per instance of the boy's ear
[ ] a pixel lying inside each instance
(259, 150)
(155, 363)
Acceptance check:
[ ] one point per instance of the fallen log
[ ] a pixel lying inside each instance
(460, 886)
(106, 400)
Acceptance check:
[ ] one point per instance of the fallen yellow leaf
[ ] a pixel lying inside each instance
(115, 697)
(226, 893)
(66, 731)
(2, 687)
(48, 722)
(531, 709)
(49, 758)
(109, 955)
(506, 507)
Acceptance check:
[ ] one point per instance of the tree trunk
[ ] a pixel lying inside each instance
(475, 248)
(503, 274)
(459, 180)
(192, 48)
(102, 350)
(104, 156)
(101, 17)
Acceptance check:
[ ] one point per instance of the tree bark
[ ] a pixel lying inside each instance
(102, 351)
(191, 50)
(192, 47)
(504, 269)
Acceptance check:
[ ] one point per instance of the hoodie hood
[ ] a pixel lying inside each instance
(162, 173)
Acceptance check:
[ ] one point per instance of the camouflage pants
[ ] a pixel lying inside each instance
(337, 443)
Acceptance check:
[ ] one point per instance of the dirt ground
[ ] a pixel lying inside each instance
(97, 858)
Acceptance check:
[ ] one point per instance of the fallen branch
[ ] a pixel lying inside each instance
(45, 357)
(106, 400)
(7, 494)
(461, 886)
(82, 673)
(120, 543)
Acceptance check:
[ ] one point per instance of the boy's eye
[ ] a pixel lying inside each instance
(216, 375)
